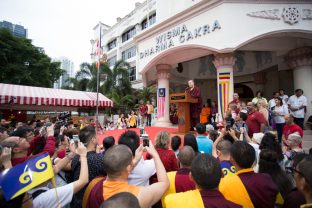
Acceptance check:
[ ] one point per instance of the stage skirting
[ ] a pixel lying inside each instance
(151, 131)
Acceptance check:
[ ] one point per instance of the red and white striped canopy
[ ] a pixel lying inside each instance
(27, 95)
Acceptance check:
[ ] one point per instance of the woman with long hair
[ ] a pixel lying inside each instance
(262, 108)
(175, 144)
(269, 142)
(268, 163)
(190, 140)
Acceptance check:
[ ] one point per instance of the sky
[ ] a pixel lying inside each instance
(64, 27)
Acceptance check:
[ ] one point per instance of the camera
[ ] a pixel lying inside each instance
(64, 119)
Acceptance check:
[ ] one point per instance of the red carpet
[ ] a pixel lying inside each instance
(152, 131)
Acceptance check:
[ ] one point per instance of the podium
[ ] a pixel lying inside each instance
(183, 100)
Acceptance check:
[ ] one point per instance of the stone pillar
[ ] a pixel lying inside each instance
(163, 75)
(300, 60)
(225, 83)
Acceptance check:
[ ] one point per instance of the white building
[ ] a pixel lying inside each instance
(224, 45)
(118, 40)
(68, 66)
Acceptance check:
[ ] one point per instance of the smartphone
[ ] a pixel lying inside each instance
(76, 140)
(145, 140)
(228, 127)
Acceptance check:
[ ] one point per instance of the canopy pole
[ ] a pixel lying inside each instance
(97, 84)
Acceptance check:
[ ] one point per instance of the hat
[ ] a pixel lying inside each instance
(258, 137)
(209, 128)
(294, 137)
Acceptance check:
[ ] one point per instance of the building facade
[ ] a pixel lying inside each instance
(227, 46)
(118, 40)
(15, 29)
(68, 66)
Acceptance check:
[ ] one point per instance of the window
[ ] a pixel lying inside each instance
(129, 53)
(152, 20)
(132, 73)
(128, 34)
(144, 24)
(112, 44)
(111, 61)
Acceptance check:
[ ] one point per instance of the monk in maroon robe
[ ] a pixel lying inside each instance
(195, 108)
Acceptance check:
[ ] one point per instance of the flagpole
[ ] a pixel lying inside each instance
(97, 86)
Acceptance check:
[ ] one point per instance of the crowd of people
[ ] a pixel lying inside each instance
(254, 158)
(140, 118)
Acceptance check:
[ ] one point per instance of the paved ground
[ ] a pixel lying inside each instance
(307, 140)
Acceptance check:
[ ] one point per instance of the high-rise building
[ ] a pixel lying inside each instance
(68, 66)
(16, 30)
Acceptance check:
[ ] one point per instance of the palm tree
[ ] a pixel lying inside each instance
(146, 93)
(121, 101)
(117, 79)
(86, 78)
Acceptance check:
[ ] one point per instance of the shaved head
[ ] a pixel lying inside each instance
(117, 159)
(186, 156)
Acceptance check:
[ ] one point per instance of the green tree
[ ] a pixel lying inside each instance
(121, 102)
(85, 79)
(146, 94)
(25, 64)
(117, 79)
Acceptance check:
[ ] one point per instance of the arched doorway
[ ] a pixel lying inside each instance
(245, 93)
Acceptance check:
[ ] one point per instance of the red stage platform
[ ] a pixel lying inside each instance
(150, 130)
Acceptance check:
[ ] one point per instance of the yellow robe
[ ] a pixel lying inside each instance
(189, 199)
(234, 190)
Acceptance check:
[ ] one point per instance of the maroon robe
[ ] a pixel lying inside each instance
(195, 108)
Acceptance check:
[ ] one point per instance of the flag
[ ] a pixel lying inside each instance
(25, 176)
(98, 52)
(224, 91)
(161, 102)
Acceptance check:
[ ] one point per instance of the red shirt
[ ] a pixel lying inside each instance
(143, 110)
(289, 129)
(254, 121)
(49, 148)
(238, 105)
(168, 158)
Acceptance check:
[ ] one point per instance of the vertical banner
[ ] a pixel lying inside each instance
(161, 102)
(98, 53)
(224, 91)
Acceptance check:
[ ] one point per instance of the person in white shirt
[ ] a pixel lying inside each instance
(279, 112)
(283, 95)
(144, 169)
(272, 101)
(297, 104)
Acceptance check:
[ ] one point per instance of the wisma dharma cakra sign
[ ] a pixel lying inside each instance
(182, 33)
